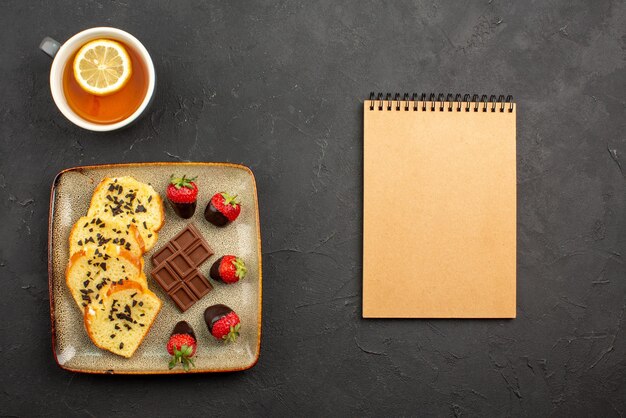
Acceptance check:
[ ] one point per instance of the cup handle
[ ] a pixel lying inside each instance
(49, 46)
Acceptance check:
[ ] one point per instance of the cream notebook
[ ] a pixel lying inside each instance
(439, 211)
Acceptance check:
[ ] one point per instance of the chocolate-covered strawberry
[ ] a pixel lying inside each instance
(222, 209)
(182, 345)
(223, 322)
(182, 193)
(228, 269)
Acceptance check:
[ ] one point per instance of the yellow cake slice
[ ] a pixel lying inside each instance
(112, 234)
(131, 202)
(122, 321)
(89, 272)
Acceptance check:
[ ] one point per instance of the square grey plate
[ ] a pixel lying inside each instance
(69, 200)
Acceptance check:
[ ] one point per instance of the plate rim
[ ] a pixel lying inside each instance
(50, 244)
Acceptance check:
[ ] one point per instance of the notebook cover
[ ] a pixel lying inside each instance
(439, 233)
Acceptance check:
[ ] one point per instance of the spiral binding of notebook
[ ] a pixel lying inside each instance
(441, 102)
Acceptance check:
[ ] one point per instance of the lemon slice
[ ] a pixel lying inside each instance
(102, 67)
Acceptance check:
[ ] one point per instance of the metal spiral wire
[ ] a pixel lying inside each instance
(436, 102)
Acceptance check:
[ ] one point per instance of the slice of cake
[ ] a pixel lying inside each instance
(122, 321)
(132, 202)
(112, 234)
(88, 272)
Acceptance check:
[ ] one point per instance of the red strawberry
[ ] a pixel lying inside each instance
(228, 269)
(182, 193)
(182, 345)
(223, 322)
(227, 327)
(222, 209)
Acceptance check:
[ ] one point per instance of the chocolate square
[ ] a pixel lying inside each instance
(163, 254)
(198, 284)
(183, 297)
(199, 253)
(165, 276)
(186, 237)
(181, 264)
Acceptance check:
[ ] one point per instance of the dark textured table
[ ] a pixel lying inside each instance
(278, 86)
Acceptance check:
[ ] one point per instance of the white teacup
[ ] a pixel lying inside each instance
(61, 54)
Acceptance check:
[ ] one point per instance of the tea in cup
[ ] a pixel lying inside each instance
(101, 79)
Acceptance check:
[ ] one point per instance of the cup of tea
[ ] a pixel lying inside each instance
(101, 79)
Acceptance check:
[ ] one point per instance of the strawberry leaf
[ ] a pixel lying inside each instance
(232, 334)
(179, 182)
(230, 200)
(240, 268)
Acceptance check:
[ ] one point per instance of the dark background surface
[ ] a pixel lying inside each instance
(278, 86)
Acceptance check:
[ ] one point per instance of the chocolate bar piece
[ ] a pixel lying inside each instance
(190, 241)
(181, 263)
(183, 297)
(163, 254)
(198, 284)
(176, 267)
(187, 237)
(199, 252)
(165, 276)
